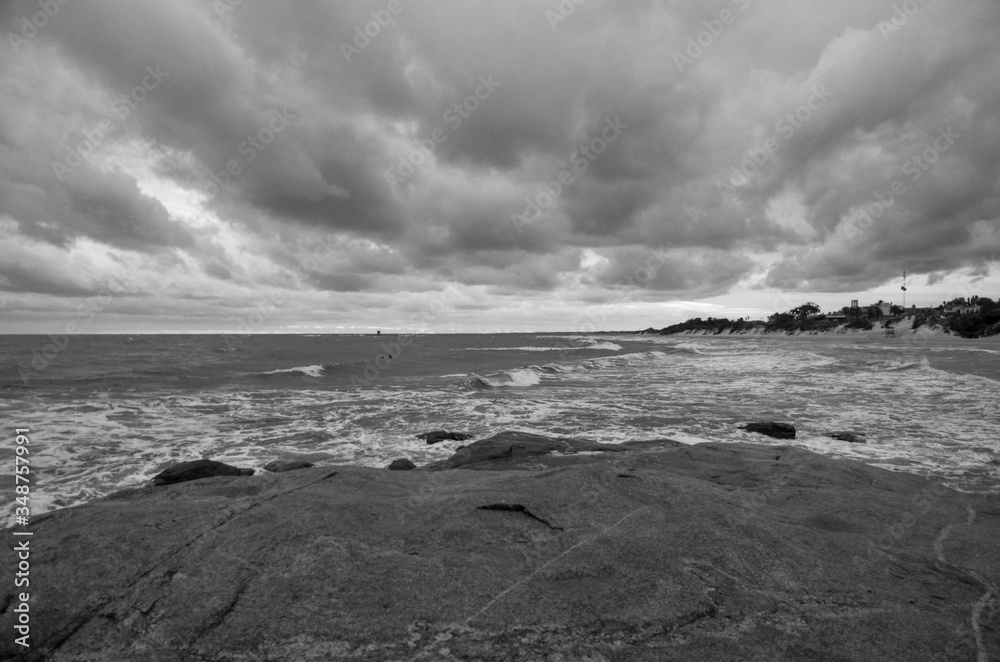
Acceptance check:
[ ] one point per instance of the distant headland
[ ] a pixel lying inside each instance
(976, 317)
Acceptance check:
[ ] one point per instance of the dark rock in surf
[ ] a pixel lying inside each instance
(279, 466)
(508, 449)
(771, 429)
(401, 465)
(195, 470)
(443, 435)
(849, 437)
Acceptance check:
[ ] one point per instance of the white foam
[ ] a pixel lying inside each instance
(518, 349)
(606, 346)
(308, 370)
(590, 343)
(917, 417)
(625, 360)
(690, 439)
(514, 378)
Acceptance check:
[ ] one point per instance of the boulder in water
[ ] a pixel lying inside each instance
(849, 437)
(197, 469)
(510, 448)
(443, 435)
(286, 465)
(401, 464)
(771, 429)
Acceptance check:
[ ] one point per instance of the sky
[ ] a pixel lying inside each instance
(332, 166)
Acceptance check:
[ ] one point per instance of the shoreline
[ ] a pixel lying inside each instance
(75, 469)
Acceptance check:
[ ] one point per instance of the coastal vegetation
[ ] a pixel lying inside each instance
(976, 317)
(980, 323)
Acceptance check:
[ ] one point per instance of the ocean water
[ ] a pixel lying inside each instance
(109, 412)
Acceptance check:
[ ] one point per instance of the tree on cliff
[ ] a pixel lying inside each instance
(781, 321)
(805, 310)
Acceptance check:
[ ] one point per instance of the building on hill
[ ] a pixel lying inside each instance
(959, 307)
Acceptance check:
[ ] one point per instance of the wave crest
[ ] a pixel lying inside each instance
(514, 378)
(304, 370)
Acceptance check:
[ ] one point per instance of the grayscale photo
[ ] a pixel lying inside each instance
(500, 331)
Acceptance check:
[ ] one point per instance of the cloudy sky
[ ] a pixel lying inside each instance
(341, 166)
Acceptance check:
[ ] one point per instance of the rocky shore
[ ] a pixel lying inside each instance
(522, 547)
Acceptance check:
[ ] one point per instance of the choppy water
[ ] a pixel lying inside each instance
(108, 412)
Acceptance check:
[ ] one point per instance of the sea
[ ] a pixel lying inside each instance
(108, 412)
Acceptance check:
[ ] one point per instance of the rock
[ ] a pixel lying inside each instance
(286, 465)
(443, 435)
(508, 449)
(849, 437)
(771, 429)
(710, 552)
(197, 469)
(650, 444)
(401, 465)
(517, 508)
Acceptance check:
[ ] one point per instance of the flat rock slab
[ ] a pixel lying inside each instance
(706, 552)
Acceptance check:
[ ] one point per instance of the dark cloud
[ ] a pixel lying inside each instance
(705, 272)
(38, 280)
(278, 145)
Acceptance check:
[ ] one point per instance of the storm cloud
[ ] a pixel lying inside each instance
(539, 157)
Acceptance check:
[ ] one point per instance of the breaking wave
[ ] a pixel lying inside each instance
(305, 371)
(514, 378)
